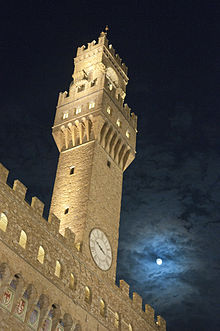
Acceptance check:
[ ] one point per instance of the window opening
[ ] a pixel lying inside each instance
(81, 88)
(72, 281)
(93, 83)
(23, 239)
(109, 111)
(102, 308)
(65, 115)
(108, 163)
(91, 104)
(3, 222)
(78, 110)
(118, 123)
(66, 211)
(87, 295)
(72, 169)
(41, 254)
(57, 269)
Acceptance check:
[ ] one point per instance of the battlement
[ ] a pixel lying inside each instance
(103, 41)
(27, 233)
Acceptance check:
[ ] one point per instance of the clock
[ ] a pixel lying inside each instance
(100, 249)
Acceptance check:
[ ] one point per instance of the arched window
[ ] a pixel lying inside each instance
(102, 308)
(41, 255)
(23, 239)
(3, 222)
(57, 269)
(72, 281)
(117, 320)
(88, 295)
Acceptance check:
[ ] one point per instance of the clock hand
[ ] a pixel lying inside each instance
(100, 247)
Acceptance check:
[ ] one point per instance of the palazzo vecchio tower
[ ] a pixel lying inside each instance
(60, 274)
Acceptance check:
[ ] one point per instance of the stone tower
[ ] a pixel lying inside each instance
(66, 281)
(96, 137)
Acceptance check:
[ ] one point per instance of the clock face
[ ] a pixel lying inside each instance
(100, 249)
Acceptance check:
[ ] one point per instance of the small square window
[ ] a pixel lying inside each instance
(65, 115)
(66, 211)
(118, 122)
(91, 104)
(78, 110)
(72, 169)
(109, 164)
(109, 111)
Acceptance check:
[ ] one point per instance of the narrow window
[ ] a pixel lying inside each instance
(57, 269)
(108, 163)
(78, 110)
(117, 322)
(23, 239)
(88, 296)
(72, 281)
(65, 115)
(66, 211)
(3, 222)
(109, 111)
(102, 308)
(110, 86)
(118, 122)
(41, 254)
(72, 170)
(91, 104)
(127, 134)
(81, 88)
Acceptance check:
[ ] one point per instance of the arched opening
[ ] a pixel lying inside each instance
(108, 136)
(117, 147)
(117, 320)
(88, 295)
(57, 269)
(72, 281)
(41, 255)
(3, 222)
(112, 142)
(102, 308)
(23, 239)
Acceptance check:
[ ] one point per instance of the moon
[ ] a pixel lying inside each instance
(159, 261)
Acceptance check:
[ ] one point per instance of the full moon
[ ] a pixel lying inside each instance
(159, 261)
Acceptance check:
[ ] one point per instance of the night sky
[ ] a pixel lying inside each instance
(171, 192)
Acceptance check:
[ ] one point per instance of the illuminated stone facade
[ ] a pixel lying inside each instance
(60, 274)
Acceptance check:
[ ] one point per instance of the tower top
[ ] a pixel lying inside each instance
(103, 43)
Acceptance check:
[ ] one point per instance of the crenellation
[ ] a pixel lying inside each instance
(127, 111)
(118, 59)
(37, 205)
(137, 301)
(150, 312)
(3, 173)
(20, 189)
(124, 287)
(134, 120)
(54, 223)
(161, 323)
